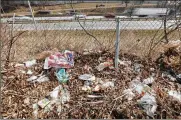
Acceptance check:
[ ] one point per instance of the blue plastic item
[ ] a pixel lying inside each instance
(62, 76)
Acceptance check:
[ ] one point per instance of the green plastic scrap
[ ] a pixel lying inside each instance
(62, 76)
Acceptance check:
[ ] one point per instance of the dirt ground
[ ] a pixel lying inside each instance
(19, 95)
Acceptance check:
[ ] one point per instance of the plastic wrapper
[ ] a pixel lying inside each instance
(128, 94)
(30, 63)
(104, 65)
(65, 96)
(176, 95)
(87, 77)
(62, 76)
(148, 102)
(42, 78)
(107, 84)
(54, 94)
(35, 110)
(29, 72)
(44, 102)
(148, 80)
(60, 60)
(32, 78)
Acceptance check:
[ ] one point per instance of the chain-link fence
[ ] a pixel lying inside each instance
(137, 35)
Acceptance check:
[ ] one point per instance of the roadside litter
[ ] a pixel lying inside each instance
(104, 65)
(90, 87)
(137, 67)
(60, 60)
(42, 78)
(149, 80)
(44, 102)
(176, 95)
(125, 63)
(32, 78)
(107, 84)
(29, 72)
(62, 76)
(55, 92)
(87, 77)
(30, 63)
(128, 94)
(148, 102)
(35, 110)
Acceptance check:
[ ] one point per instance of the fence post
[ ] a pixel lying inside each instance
(12, 34)
(117, 43)
(32, 14)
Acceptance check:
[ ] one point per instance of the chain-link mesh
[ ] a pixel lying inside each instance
(137, 36)
(140, 36)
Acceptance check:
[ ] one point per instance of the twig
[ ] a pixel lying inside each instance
(32, 14)
(97, 102)
(21, 95)
(85, 29)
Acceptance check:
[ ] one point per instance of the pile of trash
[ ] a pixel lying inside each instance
(86, 85)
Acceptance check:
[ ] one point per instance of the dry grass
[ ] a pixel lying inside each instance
(65, 6)
(131, 41)
(87, 8)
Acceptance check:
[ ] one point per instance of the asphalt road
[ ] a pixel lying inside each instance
(56, 18)
(95, 25)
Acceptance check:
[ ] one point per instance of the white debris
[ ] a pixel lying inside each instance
(103, 65)
(22, 71)
(152, 69)
(32, 78)
(169, 76)
(86, 88)
(59, 108)
(97, 88)
(29, 72)
(137, 67)
(19, 65)
(129, 95)
(30, 63)
(27, 100)
(148, 102)
(54, 93)
(87, 77)
(140, 87)
(42, 78)
(176, 95)
(125, 63)
(65, 96)
(44, 102)
(94, 96)
(148, 80)
(35, 110)
(107, 84)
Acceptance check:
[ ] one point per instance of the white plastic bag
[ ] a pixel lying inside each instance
(148, 80)
(107, 84)
(148, 102)
(30, 63)
(54, 93)
(128, 94)
(32, 78)
(176, 95)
